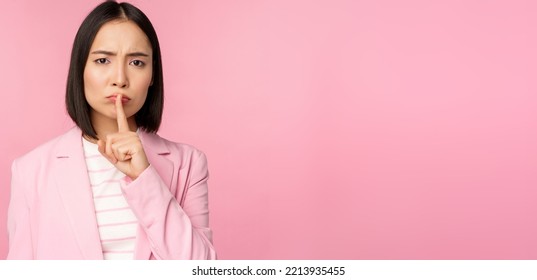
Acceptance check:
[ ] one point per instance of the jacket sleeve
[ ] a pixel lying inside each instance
(174, 232)
(18, 219)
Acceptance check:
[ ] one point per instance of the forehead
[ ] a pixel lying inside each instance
(121, 35)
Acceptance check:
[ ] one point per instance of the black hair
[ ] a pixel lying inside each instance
(149, 116)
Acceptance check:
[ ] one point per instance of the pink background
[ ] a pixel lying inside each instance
(333, 129)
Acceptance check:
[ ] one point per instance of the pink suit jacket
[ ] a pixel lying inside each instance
(51, 213)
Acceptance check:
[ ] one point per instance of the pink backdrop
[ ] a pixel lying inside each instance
(334, 129)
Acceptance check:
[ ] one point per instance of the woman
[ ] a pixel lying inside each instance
(110, 188)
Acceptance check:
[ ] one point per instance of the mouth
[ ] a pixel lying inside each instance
(113, 97)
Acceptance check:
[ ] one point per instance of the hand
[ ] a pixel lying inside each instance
(124, 148)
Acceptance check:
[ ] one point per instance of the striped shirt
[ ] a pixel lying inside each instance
(116, 221)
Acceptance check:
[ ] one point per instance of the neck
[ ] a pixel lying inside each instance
(104, 126)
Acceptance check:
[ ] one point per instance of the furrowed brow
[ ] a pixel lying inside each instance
(109, 53)
(103, 52)
(138, 54)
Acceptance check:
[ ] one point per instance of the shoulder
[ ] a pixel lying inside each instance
(183, 148)
(161, 145)
(44, 152)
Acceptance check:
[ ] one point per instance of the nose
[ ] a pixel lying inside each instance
(120, 77)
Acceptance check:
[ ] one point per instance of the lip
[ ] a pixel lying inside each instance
(113, 97)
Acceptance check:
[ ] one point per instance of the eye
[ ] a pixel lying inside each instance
(138, 63)
(101, 60)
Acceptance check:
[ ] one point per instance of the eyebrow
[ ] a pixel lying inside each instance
(113, 53)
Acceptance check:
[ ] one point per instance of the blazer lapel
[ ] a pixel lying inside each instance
(156, 151)
(72, 178)
(74, 187)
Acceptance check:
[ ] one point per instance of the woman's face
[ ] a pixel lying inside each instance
(119, 62)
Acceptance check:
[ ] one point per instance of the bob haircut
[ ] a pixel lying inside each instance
(149, 116)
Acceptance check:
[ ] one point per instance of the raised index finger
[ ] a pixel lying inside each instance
(122, 124)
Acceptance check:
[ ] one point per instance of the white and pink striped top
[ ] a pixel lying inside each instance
(116, 221)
